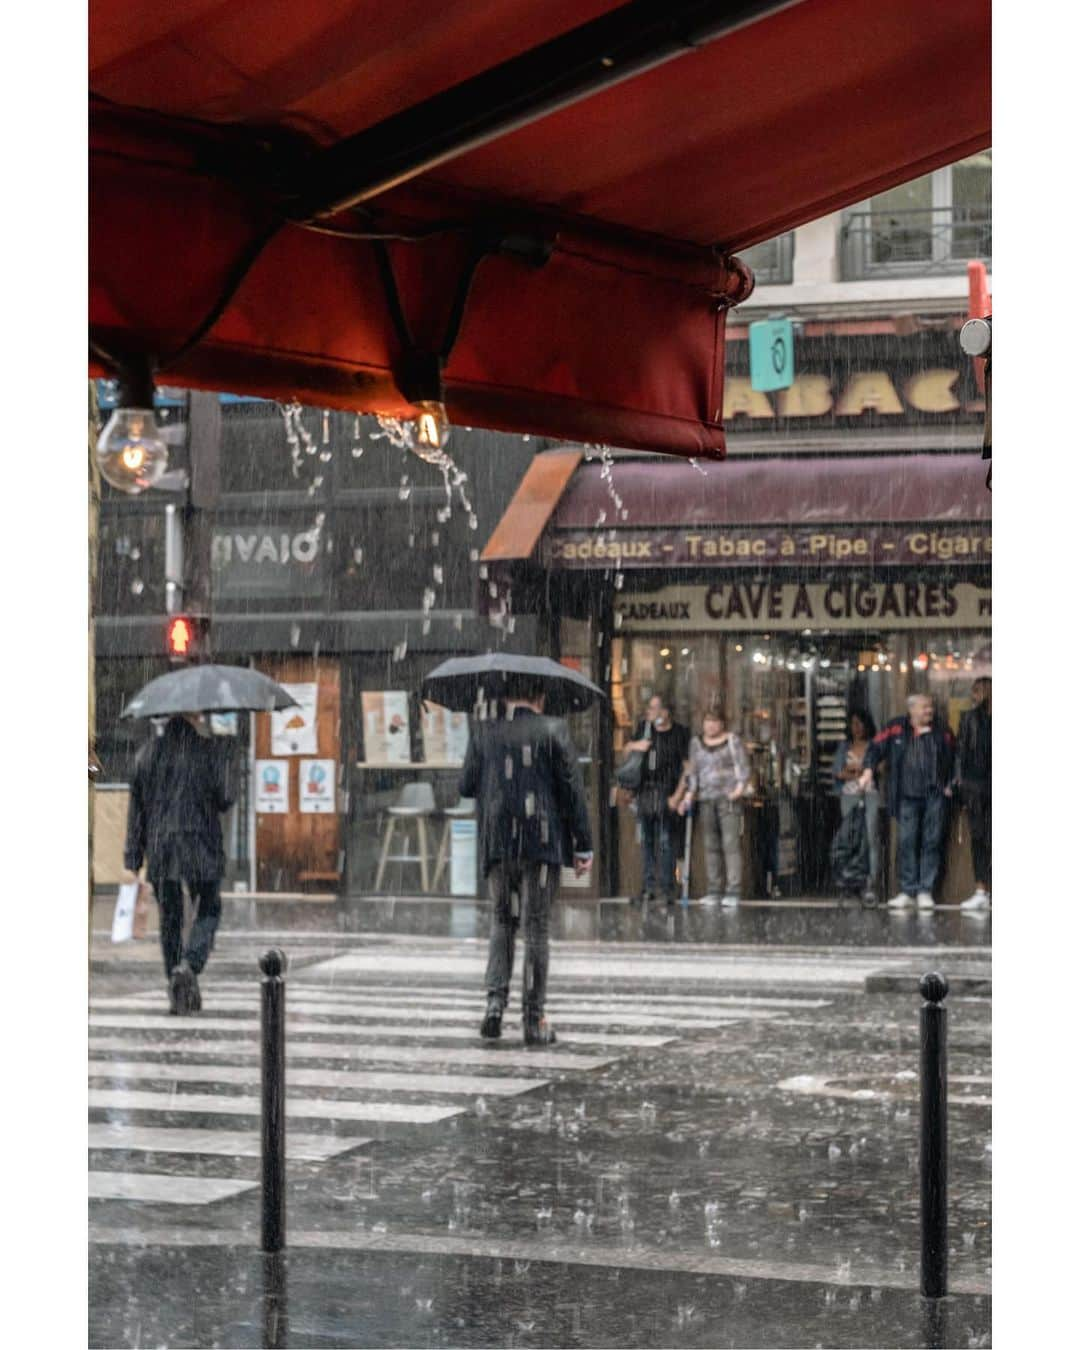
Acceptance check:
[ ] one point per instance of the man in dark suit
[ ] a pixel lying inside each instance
(181, 786)
(523, 772)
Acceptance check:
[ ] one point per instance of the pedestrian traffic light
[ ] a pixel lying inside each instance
(185, 637)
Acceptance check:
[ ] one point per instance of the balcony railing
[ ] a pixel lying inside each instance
(771, 262)
(914, 243)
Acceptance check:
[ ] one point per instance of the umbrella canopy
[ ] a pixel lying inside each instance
(464, 680)
(209, 689)
(562, 180)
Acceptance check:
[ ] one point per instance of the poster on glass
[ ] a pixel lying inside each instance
(294, 731)
(272, 787)
(317, 786)
(446, 735)
(386, 727)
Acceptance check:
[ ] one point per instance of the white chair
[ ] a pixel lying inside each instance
(415, 802)
(461, 810)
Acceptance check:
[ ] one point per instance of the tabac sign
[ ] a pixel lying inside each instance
(763, 606)
(717, 546)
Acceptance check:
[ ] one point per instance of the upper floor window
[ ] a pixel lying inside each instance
(771, 261)
(935, 224)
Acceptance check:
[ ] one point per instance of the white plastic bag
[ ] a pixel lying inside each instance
(123, 924)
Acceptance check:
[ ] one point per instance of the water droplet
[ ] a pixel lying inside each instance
(473, 522)
(137, 587)
(835, 1151)
(481, 1107)
(358, 556)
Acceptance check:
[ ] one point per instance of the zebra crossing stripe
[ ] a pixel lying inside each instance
(296, 1108)
(163, 1022)
(159, 1189)
(444, 1084)
(493, 1058)
(217, 1143)
(447, 993)
(425, 1012)
(359, 1010)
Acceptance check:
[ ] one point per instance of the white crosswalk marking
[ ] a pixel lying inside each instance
(434, 1012)
(140, 1021)
(471, 1085)
(494, 1058)
(163, 1189)
(223, 1143)
(359, 1055)
(296, 1108)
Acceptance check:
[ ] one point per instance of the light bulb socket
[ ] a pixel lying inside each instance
(418, 375)
(135, 384)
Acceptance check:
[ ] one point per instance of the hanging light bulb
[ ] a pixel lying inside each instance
(131, 451)
(431, 427)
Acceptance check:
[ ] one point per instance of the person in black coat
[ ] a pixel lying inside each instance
(524, 774)
(919, 751)
(178, 792)
(973, 778)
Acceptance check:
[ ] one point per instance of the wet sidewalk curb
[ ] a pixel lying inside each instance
(970, 983)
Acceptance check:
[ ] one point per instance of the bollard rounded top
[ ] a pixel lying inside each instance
(933, 987)
(273, 962)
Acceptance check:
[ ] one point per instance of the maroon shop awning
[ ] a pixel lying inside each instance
(640, 494)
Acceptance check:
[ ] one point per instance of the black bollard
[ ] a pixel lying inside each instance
(272, 964)
(934, 1138)
(275, 1301)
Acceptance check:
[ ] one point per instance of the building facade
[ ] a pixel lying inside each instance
(840, 557)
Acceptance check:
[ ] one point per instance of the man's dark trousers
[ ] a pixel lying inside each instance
(658, 852)
(922, 832)
(520, 893)
(977, 800)
(170, 897)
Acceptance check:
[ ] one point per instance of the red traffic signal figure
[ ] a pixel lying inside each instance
(185, 637)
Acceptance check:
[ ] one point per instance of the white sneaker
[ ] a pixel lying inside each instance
(729, 901)
(980, 900)
(901, 901)
(925, 900)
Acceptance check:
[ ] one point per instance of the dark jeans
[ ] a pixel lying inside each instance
(520, 891)
(976, 799)
(658, 852)
(922, 831)
(170, 898)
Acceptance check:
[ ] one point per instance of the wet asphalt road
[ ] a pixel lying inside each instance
(720, 1150)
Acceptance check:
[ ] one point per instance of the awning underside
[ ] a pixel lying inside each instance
(619, 335)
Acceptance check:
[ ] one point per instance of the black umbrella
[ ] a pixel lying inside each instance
(194, 689)
(464, 681)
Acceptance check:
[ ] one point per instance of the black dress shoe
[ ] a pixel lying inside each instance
(538, 1030)
(184, 989)
(491, 1026)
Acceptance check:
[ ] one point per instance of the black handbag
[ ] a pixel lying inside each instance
(630, 773)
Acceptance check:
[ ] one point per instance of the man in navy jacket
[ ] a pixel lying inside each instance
(533, 819)
(919, 752)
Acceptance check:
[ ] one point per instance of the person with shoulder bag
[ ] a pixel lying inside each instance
(716, 778)
(663, 745)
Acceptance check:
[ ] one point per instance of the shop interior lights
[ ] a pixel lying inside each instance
(131, 451)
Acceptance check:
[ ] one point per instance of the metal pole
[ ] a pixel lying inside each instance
(273, 964)
(933, 1140)
(275, 1301)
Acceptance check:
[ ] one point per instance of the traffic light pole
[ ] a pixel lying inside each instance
(204, 448)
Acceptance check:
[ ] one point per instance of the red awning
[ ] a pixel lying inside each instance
(618, 336)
